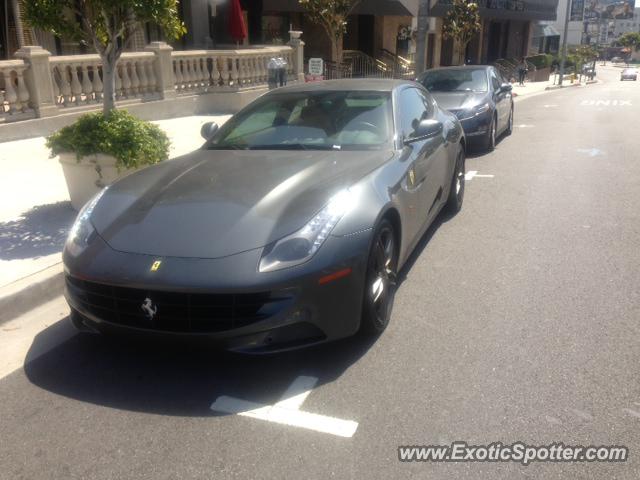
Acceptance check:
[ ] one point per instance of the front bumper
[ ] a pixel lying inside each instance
(477, 126)
(224, 301)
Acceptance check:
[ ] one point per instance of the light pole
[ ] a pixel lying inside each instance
(421, 36)
(563, 51)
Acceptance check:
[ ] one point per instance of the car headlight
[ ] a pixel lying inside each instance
(82, 228)
(300, 246)
(468, 113)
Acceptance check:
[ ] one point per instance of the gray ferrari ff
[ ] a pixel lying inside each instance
(287, 227)
(478, 96)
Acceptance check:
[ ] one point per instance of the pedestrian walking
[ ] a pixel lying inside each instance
(522, 71)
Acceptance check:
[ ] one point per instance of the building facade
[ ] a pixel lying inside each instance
(376, 28)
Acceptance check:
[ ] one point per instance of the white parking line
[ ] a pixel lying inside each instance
(474, 173)
(605, 103)
(297, 393)
(592, 152)
(287, 410)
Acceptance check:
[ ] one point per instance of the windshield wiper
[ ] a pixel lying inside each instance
(230, 146)
(291, 146)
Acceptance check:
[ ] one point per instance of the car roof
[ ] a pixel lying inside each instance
(461, 67)
(356, 84)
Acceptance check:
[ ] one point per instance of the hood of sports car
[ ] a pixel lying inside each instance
(214, 203)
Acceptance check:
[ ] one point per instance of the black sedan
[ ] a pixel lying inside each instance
(478, 96)
(286, 229)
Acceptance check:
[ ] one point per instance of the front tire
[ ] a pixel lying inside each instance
(456, 190)
(509, 129)
(490, 140)
(380, 280)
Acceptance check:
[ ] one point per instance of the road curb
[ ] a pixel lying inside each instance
(30, 292)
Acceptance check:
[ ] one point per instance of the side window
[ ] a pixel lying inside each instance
(414, 107)
(495, 80)
(263, 118)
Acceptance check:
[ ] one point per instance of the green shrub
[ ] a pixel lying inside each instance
(541, 61)
(133, 142)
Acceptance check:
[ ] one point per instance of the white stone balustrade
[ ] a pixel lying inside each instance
(220, 70)
(14, 94)
(37, 84)
(79, 80)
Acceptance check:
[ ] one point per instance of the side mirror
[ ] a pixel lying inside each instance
(208, 130)
(425, 129)
(505, 87)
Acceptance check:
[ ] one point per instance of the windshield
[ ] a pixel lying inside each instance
(329, 120)
(456, 80)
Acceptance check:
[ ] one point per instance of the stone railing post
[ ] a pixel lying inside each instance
(39, 80)
(163, 69)
(298, 54)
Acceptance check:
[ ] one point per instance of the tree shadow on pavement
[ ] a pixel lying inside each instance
(38, 232)
(179, 378)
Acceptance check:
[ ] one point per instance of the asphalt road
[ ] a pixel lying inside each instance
(516, 320)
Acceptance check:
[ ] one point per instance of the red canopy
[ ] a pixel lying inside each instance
(237, 27)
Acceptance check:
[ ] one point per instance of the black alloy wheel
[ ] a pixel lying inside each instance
(380, 280)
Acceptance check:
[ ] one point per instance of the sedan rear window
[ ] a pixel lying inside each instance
(331, 120)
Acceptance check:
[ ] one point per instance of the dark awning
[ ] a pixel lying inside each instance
(544, 30)
(365, 7)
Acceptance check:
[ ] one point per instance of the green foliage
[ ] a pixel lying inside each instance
(462, 21)
(540, 61)
(630, 40)
(133, 142)
(582, 54)
(108, 25)
(332, 16)
(102, 22)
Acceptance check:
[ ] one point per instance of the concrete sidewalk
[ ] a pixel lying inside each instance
(537, 88)
(35, 213)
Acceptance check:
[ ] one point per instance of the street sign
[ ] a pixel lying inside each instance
(316, 66)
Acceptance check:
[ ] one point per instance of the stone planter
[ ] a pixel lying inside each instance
(88, 176)
(541, 75)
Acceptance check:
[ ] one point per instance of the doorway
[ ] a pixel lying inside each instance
(495, 38)
(4, 29)
(365, 34)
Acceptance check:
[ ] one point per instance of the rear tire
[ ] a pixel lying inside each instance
(380, 280)
(456, 190)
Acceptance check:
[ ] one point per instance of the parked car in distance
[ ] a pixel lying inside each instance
(476, 94)
(286, 229)
(617, 60)
(589, 70)
(629, 74)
